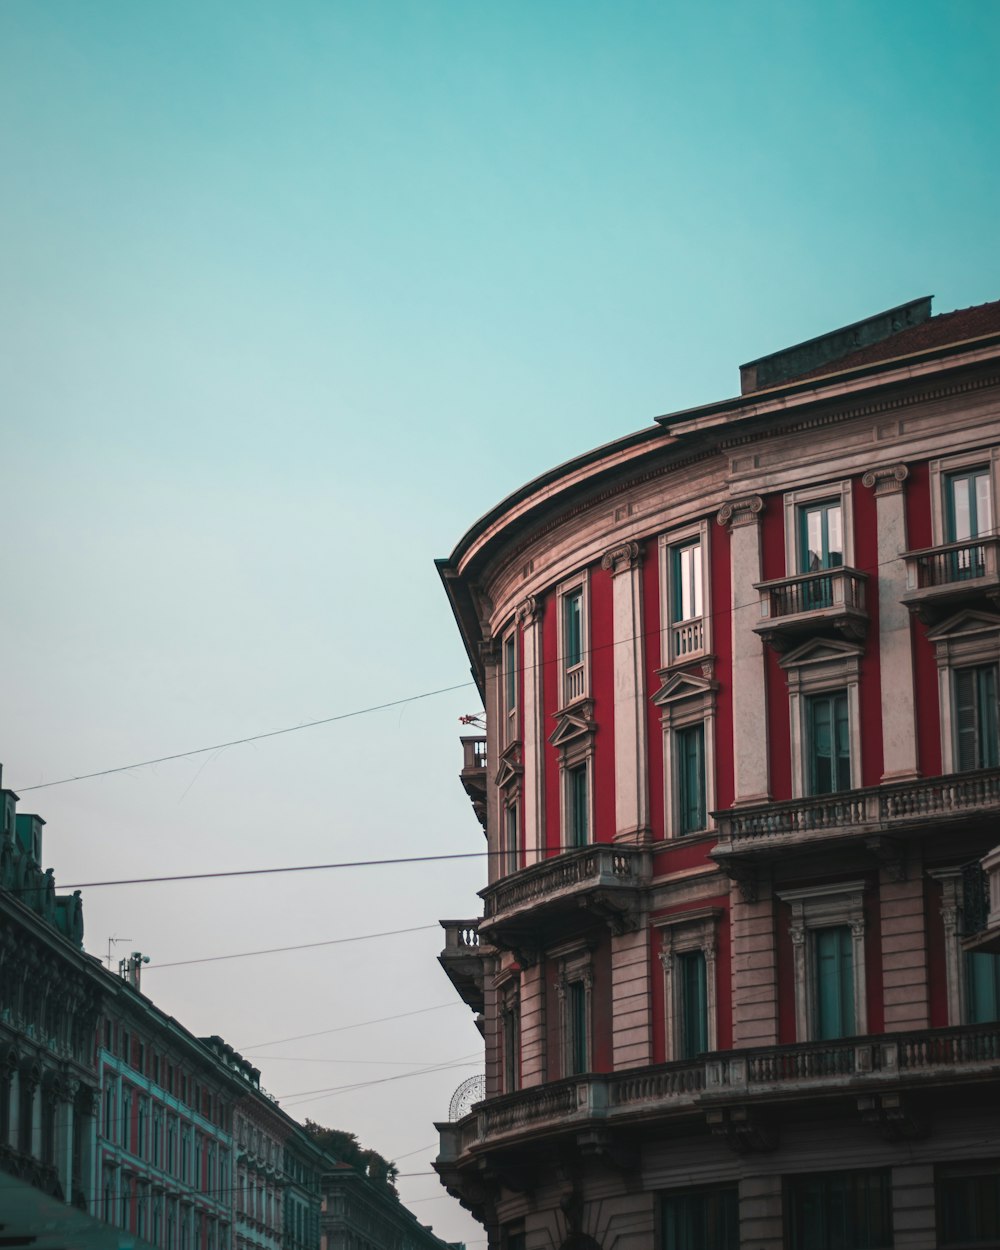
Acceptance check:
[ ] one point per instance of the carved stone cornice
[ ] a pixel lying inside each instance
(489, 651)
(740, 512)
(887, 479)
(530, 611)
(622, 558)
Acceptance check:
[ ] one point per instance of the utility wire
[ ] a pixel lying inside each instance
(427, 694)
(360, 1024)
(303, 946)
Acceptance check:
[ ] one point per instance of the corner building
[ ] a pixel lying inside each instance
(735, 966)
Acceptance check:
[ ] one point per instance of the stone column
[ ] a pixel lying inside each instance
(65, 1111)
(899, 736)
(761, 1214)
(631, 1000)
(914, 1222)
(752, 776)
(624, 562)
(490, 654)
(533, 798)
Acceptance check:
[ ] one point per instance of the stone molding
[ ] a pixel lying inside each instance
(886, 479)
(740, 512)
(529, 611)
(622, 558)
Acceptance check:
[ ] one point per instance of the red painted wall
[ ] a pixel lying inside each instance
(602, 687)
(779, 734)
(918, 534)
(870, 693)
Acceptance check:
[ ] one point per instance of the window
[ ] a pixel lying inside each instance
(829, 742)
(577, 805)
(977, 744)
(688, 944)
(690, 749)
(510, 1037)
(509, 669)
(833, 953)
(968, 507)
(684, 584)
(821, 536)
(968, 1204)
(828, 950)
(512, 841)
(982, 987)
(698, 1219)
(839, 1211)
(572, 643)
(574, 986)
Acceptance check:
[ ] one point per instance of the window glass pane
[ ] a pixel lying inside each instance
(512, 847)
(959, 510)
(576, 798)
(977, 734)
(693, 1003)
(686, 591)
(577, 1012)
(572, 626)
(829, 745)
(984, 510)
(969, 1205)
(840, 1211)
(510, 673)
(696, 1219)
(833, 954)
(691, 778)
(982, 984)
(821, 538)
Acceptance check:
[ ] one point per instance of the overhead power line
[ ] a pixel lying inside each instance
(302, 946)
(359, 1024)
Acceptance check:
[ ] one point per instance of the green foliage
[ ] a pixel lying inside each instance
(346, 1148)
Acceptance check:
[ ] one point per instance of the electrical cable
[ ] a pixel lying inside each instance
(360, 1024)
(278, 950)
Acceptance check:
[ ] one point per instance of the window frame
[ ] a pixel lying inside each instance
(571, 806)
(970, 639)
(682, 934)
(795, 503)
(942, 470)
(697, 638)
(810, 1241)
(822, 667)
(512, 854)
(575, 968)
(509, 692)
(686, 700)
(825, 907)
(578, 673)
(724, 1218)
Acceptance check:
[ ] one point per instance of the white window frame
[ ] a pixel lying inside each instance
(680, 934)
(966, 640)
(696, 634)
(796, 499)
(581, 674)
(576, 965)
(941, 470)
(826, 907)
(822, 667)
(685, 700)
(509, 713)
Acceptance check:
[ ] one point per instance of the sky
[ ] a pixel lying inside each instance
(289, 295)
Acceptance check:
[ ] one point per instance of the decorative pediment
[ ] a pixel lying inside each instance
(818, 651)
(964, 624)
(509, 766)
(678, 685)
(573, 725)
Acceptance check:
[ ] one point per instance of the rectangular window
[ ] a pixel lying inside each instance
(968, 1203)
(685, 591)
(693, 1004)
(834, 961)
(572, 623)
(968, 507)
(510, 685)
(982, 987)
(696, 1219)
(821, 546)
(511, 1036)
(682, 572)
(977, 740)
(829, 743)
(840, 1211)
(690, 751)
(576, 1023)
(512, 845)
(577, 806)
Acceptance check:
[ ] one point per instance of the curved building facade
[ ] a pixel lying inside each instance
(735, 967)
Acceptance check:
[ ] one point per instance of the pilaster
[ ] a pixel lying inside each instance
(904, 947)
(533, 1025)
(914, 1223)
(899, 736)
(533, 806)
(755, 972)
(631, 1000)
(752, 776)
(489, 651)
(761, 1216)
(624, 562)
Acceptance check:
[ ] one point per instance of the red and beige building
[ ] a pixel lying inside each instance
(736, 966)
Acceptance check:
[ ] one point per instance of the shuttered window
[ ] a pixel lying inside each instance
(834, 962)
(976, 721)
(693, 1004)
(982, 987)
(578, 808)
(690, 749)
(829, 743)
(576, 1020)
(699, 1218)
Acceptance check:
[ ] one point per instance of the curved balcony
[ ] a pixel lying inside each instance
(598, 881)
(943, 579)
(770, 829)
(795, 608)
(729, 1091)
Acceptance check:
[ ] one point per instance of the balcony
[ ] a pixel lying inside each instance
(600, 880)
(687, 640)
(473, 774)
(794, 608)
(462, 960)
(981, 903)
(940, 580)
(772, 828)
(866, 1070)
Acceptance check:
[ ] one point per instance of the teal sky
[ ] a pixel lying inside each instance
(291, 293)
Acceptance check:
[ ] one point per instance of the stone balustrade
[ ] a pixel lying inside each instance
(584, 869)
(461, 935)
(876, 1063)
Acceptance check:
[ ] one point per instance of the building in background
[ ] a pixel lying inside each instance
(736, 961)
(362, 1214)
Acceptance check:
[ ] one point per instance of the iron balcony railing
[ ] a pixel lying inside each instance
(810, 1069)
(952, 564)
(807, 593)
(953, 795)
